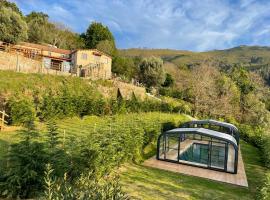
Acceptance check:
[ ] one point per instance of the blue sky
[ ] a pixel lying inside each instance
(196, 25)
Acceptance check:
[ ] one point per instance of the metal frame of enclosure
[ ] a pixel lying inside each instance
(199, 147)
(214, 125)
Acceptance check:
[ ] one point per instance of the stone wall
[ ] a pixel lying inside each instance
(96, 72)
(126, 89)
(55, 72)
(19, 63)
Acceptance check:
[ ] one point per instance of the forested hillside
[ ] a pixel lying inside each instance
(254, 58)
(242, 54)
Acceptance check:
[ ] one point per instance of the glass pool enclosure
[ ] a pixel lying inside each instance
(199, 147)
(199, 153)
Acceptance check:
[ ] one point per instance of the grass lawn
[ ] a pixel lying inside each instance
(146, 183)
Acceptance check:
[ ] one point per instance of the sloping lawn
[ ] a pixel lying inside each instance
(146, 183)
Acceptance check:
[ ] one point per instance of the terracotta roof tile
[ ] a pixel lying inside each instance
(45, 48)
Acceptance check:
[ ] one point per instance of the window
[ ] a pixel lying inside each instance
(84, 56)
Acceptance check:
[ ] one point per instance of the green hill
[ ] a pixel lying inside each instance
(254, 58)
(240, 54)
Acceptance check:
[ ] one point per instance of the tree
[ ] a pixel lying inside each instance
(22, 111)
(35, 15)
(96, 33)
(229, 97)
(71, 40)
(202, 86)
(151, 72)
(242, 78)
(56, 155)
(61, 36)
(37, 27)
(124, 67)
(107, 46)
(212, 93)
(42, 31)
(24, 175)
(52, 136)
(169, 81)
(12, 6)
(12, 26)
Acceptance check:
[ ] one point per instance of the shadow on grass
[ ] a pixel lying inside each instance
(168, 185)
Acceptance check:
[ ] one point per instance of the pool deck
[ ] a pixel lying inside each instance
(238, 179)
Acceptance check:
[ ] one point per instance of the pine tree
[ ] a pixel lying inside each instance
(27, 160)
(56, 155)
(52, 136)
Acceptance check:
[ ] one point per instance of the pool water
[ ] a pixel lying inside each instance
(198, 153)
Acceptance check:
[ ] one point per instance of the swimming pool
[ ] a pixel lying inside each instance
(199, 153)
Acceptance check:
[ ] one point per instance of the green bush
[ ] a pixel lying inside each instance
(169, 81)
(265, 190)
(86, 186)
(46, 97)
(92, 144)
(259, 137)
(251, 134)
(266, 150)
(23, 176)
(22, 111)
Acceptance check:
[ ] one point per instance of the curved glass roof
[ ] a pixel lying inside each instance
(219, 123)
(205, 132)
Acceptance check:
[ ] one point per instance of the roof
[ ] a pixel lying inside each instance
(92, 50)
(44, 47)
(211, 121)
(206, 132)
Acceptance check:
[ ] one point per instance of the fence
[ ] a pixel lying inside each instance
(3, 121)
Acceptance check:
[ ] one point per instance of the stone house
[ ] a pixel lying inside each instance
(87, 63)
(52, 58)
(92, 63)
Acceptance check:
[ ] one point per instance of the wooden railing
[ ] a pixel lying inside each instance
(13, 49)
(3, 121)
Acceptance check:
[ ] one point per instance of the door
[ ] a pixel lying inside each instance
(218, 155)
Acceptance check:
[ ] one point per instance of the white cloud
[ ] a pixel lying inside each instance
(194, 24)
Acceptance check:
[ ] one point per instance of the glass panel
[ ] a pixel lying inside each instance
(197, 137)
(172, 144)
(189, 136)
(204, 138)
(231, 158)
(194, 153)
(161, 148)
(215, 128)
(218, 155)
